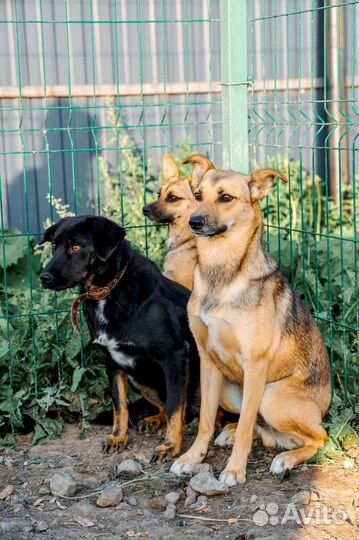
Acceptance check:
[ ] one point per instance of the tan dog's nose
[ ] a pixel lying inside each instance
(196, 222)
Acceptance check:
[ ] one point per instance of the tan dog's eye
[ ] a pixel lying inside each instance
(225, 198)
(75, 248)
(198, 196)
(172, 198)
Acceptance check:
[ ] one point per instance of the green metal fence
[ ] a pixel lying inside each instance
(95, 96)
(303, 118)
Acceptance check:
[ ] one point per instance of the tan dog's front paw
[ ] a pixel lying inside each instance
(115, 443)
(232, 476)
(185, 464)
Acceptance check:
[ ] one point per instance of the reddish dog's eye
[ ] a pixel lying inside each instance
(76, 248)
(226, 198)
(198, 196)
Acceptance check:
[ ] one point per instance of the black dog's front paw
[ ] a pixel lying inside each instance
(115, 444)
(152, 423)
(164, 452)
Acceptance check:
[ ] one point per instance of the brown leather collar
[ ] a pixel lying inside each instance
(94, 293)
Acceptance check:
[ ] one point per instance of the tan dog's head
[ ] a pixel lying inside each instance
(175, 198)
(227, 200)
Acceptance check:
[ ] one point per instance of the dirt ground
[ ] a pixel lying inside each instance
(315, 502)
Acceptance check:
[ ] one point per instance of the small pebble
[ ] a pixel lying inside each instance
(172, 497)
(191, 499)
(129, 466)
(132, 501)
(6, 492)
(158, 503)
(202, 467)
(206, 484)
(253, 499)
(170, 512)
(40, 526)
(303, 497)
(111, 496)
(63, 484)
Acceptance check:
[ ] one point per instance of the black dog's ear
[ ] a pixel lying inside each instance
(106, 236)
(48, 234)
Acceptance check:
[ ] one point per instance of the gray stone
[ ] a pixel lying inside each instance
(63, 484)
(40, 526)
(170, 512)
(190, 491)
(132, 501)
(206, 484)
(82, 508)
(129, 466)
(191, 499)
(303, 497)
(201, 467)
(111, 496)
(44, 490)
(172, 497)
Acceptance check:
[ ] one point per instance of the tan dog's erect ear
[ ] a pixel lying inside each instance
(169, 168)
(201, 165)
(261, 182)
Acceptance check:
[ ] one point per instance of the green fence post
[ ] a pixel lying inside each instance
(234, 84)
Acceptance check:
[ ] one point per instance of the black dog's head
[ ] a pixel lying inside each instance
(81, 245)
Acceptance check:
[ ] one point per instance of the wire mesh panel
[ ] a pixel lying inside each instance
(303, 119)
(93, 93)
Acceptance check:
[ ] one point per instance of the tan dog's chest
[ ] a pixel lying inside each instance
(232, 333)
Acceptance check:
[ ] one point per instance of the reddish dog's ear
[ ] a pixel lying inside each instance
(169, 168)
(201, 165)
(261, 182)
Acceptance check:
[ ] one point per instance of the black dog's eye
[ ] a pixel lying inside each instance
(172, 198)
(75, 248)
(226, 198)
(198, 196)
(53, 245)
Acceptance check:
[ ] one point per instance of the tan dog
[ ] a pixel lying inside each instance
(174, 206)
(262, 354)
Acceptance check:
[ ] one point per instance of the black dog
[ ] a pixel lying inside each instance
(138, 315)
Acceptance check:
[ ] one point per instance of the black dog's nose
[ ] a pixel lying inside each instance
(46, 277)
(146, 210)
(196, 222)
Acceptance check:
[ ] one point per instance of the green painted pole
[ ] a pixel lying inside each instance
(234, 84)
